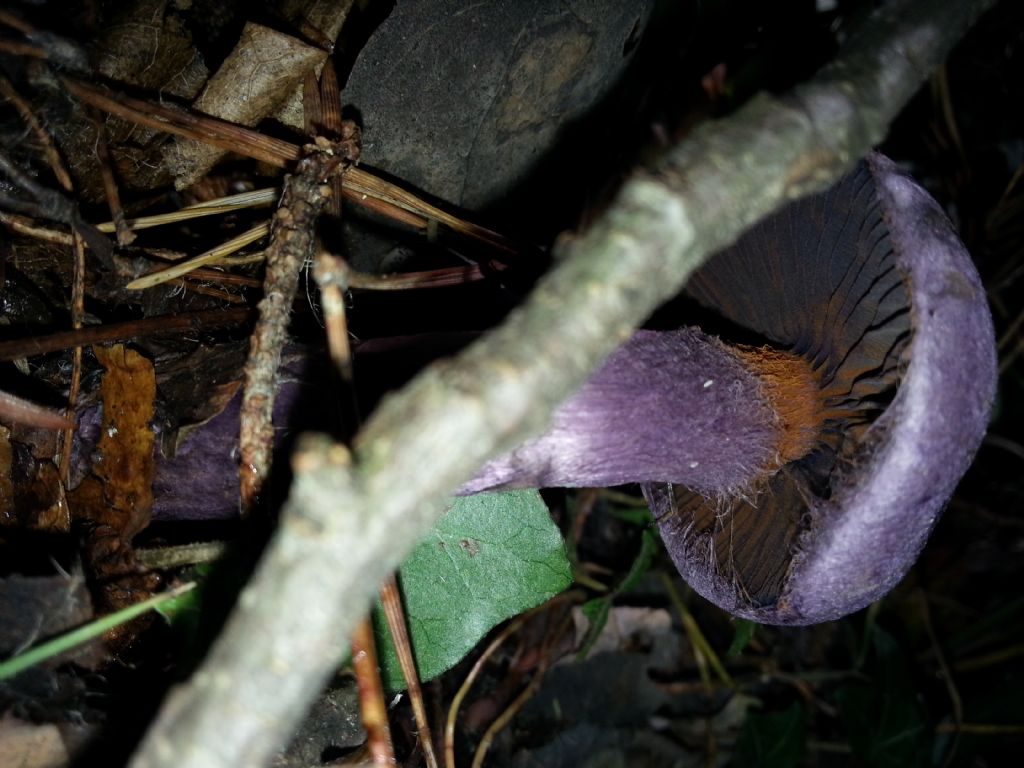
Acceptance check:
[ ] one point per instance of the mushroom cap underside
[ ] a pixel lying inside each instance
(870, 285)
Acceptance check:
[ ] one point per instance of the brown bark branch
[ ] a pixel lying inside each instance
(292, 235)
(350, 520)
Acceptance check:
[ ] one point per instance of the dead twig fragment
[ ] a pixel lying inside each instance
(361, 187)
(371, 695)
(291, 244)
(17, 410)
(23, 108)
(77, 318)
(60, 171)
(54, 206)
(391, 599)
(47, 46)
(453, 709)
(331, 276)
(106, 163)
(99, 334)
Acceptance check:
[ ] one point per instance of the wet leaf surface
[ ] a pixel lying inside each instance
(491, 557)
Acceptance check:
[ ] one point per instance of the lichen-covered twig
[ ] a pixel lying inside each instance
(331, 274)
(292, 237)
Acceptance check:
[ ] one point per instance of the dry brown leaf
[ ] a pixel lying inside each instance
(327, 16)
(146, 44)
(36, 499)
(27, 745)
(117, 498)
(255, 80)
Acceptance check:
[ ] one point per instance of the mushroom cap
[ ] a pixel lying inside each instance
(875, 290)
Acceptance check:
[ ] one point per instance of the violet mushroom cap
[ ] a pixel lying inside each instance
(887, 380)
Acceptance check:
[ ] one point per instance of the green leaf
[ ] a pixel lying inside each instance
(638, 516)
(491, 557)
(642, 563)
(884, 718)
(185, 608)
(597, 610)
(773, 740)
(745, 629)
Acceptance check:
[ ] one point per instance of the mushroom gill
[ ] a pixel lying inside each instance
(820, 281)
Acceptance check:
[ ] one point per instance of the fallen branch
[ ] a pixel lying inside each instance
(350, 520)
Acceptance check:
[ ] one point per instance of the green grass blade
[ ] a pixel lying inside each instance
(85, 633)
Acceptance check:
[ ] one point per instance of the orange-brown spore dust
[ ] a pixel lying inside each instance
(794, 392)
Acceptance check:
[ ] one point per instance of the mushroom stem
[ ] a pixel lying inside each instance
(672, 406)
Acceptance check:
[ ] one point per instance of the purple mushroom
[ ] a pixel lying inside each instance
(797, 454)
(795, 475)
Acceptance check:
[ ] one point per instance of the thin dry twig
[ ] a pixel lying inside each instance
(331, 273)
(361, 187)
(18, 410)
(131, 329)
(502, 720)
(371, 694)
(74, 386)
(371, 690)
(23, 108)
(23, 225)
(291, 244)
(52, 205)
(60, 171)
(474, 673)
(125, 236)
(391, 600)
